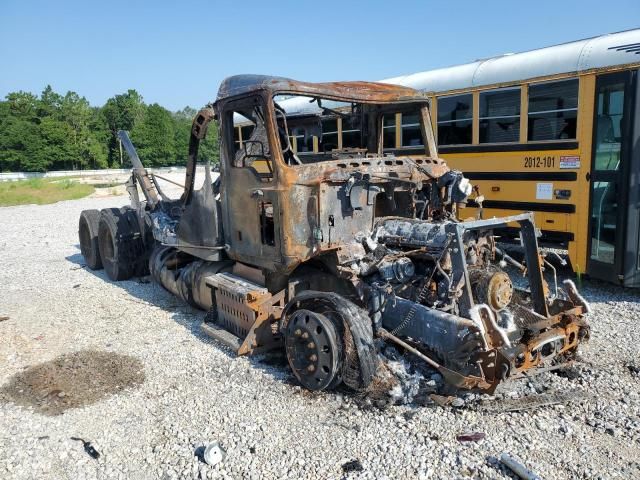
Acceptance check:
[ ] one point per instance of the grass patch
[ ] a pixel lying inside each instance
(41, 191)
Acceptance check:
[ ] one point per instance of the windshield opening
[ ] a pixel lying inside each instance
(314, 130)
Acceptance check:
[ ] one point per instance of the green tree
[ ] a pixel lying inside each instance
(154, 137)
(58, 145)
(98, 141)
(20, 143)
(121, 112)
(23, 105)
(49, 103)
(55, 131)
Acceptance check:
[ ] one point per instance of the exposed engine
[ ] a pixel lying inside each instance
(444, 286)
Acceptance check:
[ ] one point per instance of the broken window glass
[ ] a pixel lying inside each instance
(251, 146)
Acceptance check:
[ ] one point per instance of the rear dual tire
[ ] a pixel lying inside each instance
(88, 235)
(121, 245)
(112, 239)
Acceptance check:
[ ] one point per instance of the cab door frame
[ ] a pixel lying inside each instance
(246, 192)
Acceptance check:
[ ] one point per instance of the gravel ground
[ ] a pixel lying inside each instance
(180, 391)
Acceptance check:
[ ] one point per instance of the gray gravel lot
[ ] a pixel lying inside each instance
(194, 391)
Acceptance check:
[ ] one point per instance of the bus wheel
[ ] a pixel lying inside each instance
(88, 237)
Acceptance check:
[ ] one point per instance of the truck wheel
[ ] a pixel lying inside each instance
(328, 340)
(314, 350)
(121, 246)
(88, 236)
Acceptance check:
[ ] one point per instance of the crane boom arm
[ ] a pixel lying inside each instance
(141, 174)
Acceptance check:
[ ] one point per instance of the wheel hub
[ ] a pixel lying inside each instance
(312, 349)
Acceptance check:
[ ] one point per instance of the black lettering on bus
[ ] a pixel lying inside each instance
(548, 161)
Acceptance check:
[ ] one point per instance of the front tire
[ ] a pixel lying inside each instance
(314, 350)
(354, 348)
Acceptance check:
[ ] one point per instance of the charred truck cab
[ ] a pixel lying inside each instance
(329, 251)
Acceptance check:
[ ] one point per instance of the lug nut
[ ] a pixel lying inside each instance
(311, 345)
(313, 357)
(305, 335)
(311, 368)
(298, 332)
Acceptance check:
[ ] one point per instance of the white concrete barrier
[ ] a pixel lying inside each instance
(8, 176)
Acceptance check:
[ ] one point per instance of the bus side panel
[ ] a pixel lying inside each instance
(579, 253)
(533, 180)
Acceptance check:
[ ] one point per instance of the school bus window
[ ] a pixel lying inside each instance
(351, 135)
(608, 127)
(455, 115)
(389, 131)
(500, 116)
(411, 133)
(303, 144)
(553, 110)
(329, 139)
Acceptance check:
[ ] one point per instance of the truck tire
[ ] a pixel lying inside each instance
(343, 327)
(88, 237)
(121, 245)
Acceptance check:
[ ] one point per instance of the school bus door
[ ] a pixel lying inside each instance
(614, 181)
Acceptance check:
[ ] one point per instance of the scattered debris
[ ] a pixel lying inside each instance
(519, 469)
(252, 449)
(77, 285)
(352, 466)
(4, 317)
(633, 369)
(558, 368)
(409, 415)
(408, 384)
(442, 400)
(88, 448)
(213, 454)
(531, 402)
(470, 437)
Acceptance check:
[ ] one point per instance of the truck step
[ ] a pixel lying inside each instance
(220, 334)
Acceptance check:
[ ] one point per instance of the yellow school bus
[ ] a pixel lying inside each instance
(552, 131)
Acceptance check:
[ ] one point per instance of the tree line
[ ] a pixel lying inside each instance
(64, 132)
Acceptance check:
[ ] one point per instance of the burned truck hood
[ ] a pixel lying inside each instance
(378, 167)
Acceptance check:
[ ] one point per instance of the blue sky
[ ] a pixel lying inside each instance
(176, 53)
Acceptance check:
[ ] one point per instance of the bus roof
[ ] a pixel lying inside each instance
(608, 50)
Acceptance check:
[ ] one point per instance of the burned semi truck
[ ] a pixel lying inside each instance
(332, 248)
